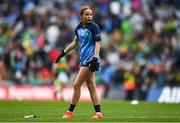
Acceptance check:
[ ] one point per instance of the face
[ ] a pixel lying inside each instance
(87, 16)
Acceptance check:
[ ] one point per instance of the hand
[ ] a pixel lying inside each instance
(94, 65)
(55, 55)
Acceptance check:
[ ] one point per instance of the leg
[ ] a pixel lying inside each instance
(80, 79)
(92, 88)
(93, 94)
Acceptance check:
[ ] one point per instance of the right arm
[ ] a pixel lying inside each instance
(55, 56)
(72, 45)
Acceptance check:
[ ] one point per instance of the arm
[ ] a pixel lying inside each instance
(72, 45)
(55, 55)
(97, 49)
(94, 64)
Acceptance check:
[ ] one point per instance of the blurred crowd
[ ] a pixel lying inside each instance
(140, 43)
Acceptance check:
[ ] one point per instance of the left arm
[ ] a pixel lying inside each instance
(94, 65)
(97, 49)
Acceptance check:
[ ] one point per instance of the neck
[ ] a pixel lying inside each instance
(84, 24)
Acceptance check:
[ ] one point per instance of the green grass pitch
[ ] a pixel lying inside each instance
(114, 111)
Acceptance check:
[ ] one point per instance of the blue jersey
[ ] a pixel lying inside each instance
(87, 36)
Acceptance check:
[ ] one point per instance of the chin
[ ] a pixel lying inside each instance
(88, 22)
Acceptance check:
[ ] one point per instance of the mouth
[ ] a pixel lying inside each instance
(88, 20)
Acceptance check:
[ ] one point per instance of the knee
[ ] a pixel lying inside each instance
(77, 86)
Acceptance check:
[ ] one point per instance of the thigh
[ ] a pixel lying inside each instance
(91, 79)
(82, 76)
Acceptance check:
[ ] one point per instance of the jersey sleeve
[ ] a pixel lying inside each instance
(77, 29)
(96, 33)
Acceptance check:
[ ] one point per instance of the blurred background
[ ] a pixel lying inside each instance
(140, 48)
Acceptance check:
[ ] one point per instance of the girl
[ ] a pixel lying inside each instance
(88, 36)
